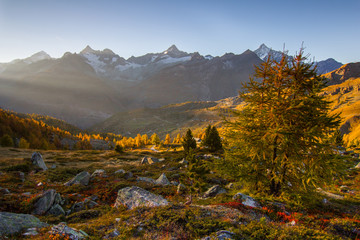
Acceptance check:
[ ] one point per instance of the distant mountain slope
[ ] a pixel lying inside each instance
(345, 97)
(323, 67)
(172, 119)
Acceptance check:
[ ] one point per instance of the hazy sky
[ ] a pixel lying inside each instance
(328, 28)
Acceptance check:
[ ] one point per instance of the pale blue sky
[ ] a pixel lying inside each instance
(328, 28)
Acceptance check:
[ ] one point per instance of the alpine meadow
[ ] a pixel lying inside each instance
(216, 137)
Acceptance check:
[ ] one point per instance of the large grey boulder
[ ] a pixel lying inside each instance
(12, 223)
(38, 161)
(213, 191)
(246, 200)
(71, 233)
(133, 197)
(81, 178)
(45, 202)
(162, 180)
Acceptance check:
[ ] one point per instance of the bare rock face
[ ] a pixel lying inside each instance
(12, 223)
(133, 197)
(82, 178)
(38, 161)
(99, 173)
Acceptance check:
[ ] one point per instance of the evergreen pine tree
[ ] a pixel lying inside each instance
(212, 139)
(280, 139)
(188, 142)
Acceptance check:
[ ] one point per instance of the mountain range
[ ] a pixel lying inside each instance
(88, 87)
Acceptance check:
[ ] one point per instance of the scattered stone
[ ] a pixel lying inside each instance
(82, 178)
(183, 161)
(72, 233)
(56, 210)
(325, 201)
(230, 186)
(213, 191)
(77, 207)
(21, 176)
(89, 203)
(12, 223)
(162, 180)
(99, 173)
(355, 155)
(113, 234)
(38, 161)
(53, 166)
(59, 199)
(220, 235)
(120, 171)
(181, 188)
(149, 160)
(246, 200)
(44, 203)
(172, 169)
(145, 179)
(134, 196)
(358, 165)
(30, 232)
(175, 183)
(128, 175)
(4, 190)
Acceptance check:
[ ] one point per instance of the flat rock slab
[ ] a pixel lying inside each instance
(133, 197)
(82, 178)
(12, 223)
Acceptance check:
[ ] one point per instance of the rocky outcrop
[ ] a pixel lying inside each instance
(246, 200)
(38, 161)
(133, 197)
(220, 235)
(82, 178)
(213, 191)
(12, 223)
(49, 203)
(145, 179)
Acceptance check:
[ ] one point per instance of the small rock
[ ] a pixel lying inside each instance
(149, 160)
(246, 200)
(99, 173)
(81, 178)
(134, 196)
(113, 234)
(89, 203)
(162, 180)
(213, 191)
(325, 201)
(120, 171)
(220, 235)
(53, 166)
(344, 189)
(230, 186)
(21, 176)
(38, 161)
(78, 206)
(145, 179)
(128, 175)
(183, 161)
(175, 183)
(358, 165)
(72, 233)
(172, 169)
(4, 190)
(56, 210)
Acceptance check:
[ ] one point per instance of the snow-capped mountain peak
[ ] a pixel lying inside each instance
(263, 51)
(87, 49)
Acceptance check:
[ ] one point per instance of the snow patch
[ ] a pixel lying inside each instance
(95, 62)
(114, 59)
(168, 60)
(127, 66)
